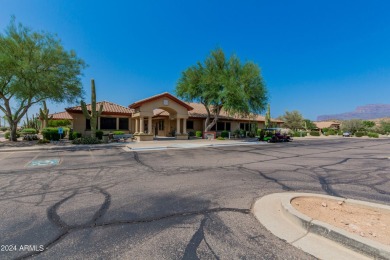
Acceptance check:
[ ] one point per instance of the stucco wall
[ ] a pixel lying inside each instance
(172, 107)
(79, 124)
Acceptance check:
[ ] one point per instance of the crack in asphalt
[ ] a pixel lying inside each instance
(191, 250)
(66, 229)
(327, 187)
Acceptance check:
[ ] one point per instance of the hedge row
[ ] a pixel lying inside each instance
(314, 133)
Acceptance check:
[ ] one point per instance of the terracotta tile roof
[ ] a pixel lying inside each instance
(165, 94)
(326, 124)
(108, 108)
(200, 112)
(61, 116)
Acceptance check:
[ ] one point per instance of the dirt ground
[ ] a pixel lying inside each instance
(367, 222)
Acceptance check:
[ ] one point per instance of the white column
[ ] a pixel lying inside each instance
(184, 125)
(136, 126)
(141, 124)
(149, 125)
(177, 125)
(117, 123)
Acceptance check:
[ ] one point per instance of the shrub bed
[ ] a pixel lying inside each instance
(360, 134)
(198, 133)
(299, 134)
(220, 138)
(76, 135)
(314, 133)
(7, 135)
(3, 128)
(28, 131)
(30, 137)
(331, 131)
(57, 123)
(86, 140)
(225, 134)
(99, 134)
(118, 133)
(51, 133)
(373, 135)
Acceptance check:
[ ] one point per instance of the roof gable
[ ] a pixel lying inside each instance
(162, 95)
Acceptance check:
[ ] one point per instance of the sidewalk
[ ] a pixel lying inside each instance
(6, 146)
(184, 144)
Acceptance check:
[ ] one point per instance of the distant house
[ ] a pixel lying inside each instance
(160, 115)
(327, 124)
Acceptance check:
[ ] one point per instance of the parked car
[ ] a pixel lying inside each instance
(347, 134)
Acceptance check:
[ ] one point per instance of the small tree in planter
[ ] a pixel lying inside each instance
(93, 116)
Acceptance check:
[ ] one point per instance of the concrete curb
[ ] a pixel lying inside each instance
(56, 148)
(189, 146)
(307, 225)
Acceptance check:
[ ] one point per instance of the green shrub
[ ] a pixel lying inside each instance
(7, 134)
(314, 133)
(331, 131)
(118, 133)
(299, 134)
(191, 133)
(225, 134)
(71, 134)
(220, 138)
(86, 140)
(373, 135)
(3, 128)
(28, 131)
(99, 134)
(51, 133)
(360, 134)
(76, 135)
(57, 123)
(198, 133)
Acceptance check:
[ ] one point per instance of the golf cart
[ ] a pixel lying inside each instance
(274, 135)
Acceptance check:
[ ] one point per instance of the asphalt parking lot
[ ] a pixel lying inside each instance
(173, 204)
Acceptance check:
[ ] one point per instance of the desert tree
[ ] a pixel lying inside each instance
(224, 83)
(34, 67)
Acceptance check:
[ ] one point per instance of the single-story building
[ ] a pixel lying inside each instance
(160, 115)
(327, 124)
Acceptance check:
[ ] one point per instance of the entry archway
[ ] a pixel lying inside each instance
(144, 113)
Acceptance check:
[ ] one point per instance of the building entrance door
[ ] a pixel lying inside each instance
(155, 129)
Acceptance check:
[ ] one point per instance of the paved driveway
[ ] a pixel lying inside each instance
(173, 204)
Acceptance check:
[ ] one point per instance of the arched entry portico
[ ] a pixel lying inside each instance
(143, 115)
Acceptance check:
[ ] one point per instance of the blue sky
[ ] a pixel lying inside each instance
(318, 57)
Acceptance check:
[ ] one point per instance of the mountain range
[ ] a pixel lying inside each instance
(371, 111)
